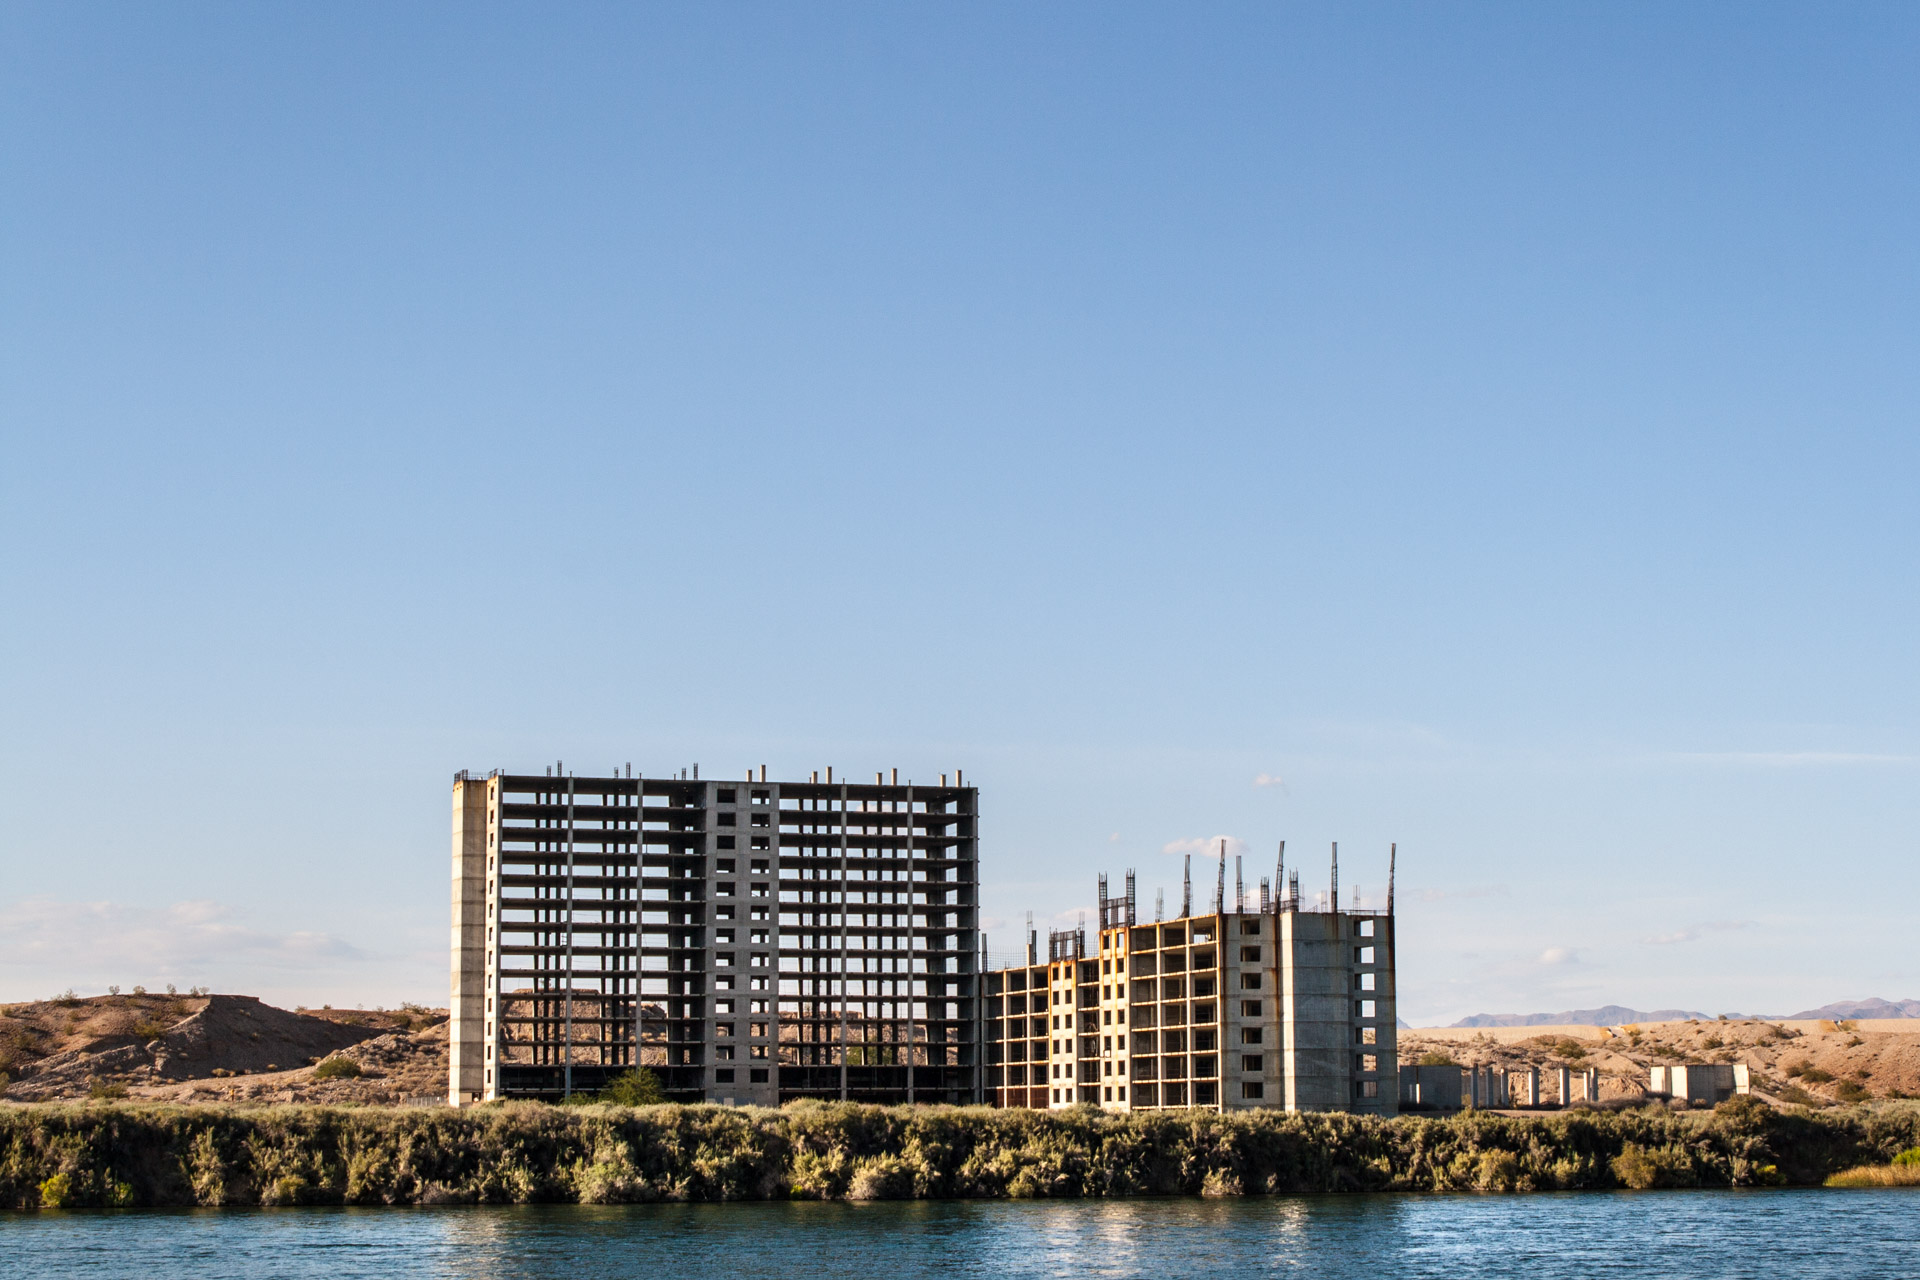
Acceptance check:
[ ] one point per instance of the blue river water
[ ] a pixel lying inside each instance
(1718, 1234)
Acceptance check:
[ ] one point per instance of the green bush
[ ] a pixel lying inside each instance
(106, 1089)
(636, 1088)
(1434, 1058)
(1911, 1156)
(1643, 1167)
(1814, 1075)
(1851, 1091)
(337, 1068)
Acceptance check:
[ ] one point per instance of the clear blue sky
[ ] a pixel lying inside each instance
(1495, 423)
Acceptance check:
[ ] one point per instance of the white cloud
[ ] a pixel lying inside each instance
(1269, 780)
(1114, 838)
(1559, 955)
(1209, 847)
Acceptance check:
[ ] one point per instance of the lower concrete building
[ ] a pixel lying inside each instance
(1285, 1007)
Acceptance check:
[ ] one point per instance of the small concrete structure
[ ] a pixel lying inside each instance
(1431, 1088)
(1701, 1083)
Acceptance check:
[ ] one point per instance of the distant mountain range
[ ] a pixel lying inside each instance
(1871, 1008)
(1611, 1015)
(1614, 1015)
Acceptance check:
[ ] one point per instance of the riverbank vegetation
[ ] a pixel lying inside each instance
(120, 1155)
(1902, 1171)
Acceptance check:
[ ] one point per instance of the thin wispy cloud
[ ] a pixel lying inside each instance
(1559, 955)
(1791, 759)
(1693, 933)
(196, 940)
(1471, 891)
(1269, 780)
(1209, 847)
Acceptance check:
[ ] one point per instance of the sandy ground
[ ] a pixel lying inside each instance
(1878, 1057)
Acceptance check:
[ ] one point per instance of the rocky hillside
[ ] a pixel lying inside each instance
(1818, 1062)
(218, 1048)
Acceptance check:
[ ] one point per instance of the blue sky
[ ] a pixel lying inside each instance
(1492, 427)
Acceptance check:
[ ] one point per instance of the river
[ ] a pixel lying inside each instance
(1717, 1234)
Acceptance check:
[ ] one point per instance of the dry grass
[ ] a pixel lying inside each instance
(1878, 1175)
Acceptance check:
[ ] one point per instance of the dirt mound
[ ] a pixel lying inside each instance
(144, 1046)
(395, 1068)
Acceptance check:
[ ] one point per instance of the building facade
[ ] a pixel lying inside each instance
(1287, 1007)
(749, 942)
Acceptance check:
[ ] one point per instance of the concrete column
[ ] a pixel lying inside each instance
(467, 1008)
(1565, 1082)
(1533, 1086)
(1593, 1084)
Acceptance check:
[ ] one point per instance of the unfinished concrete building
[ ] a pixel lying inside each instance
(1279, 1004)
(749, 942)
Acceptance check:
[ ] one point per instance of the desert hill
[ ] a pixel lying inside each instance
(1816, 1062)
(217, 1048)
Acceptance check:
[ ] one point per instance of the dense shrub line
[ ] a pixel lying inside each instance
(109, 1155)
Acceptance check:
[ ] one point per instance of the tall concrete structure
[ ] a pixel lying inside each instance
(750, 942)
(1285, 1007)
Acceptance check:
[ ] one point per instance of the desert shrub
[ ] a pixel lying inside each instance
(636, 1088)
(1434, 1058)
(337, 1068)
(1851, 1091)
(1815, 1075)
(521, 1152)
(1712, 1042)
(106, 1089)
(150, 1028)
(1644, 1167)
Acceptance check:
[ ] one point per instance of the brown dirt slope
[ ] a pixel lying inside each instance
(1807, 1062)
(217, 1047)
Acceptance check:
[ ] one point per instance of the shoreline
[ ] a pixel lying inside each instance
(95, 1155)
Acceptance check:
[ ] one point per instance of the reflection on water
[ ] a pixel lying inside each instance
(1665, 1234)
